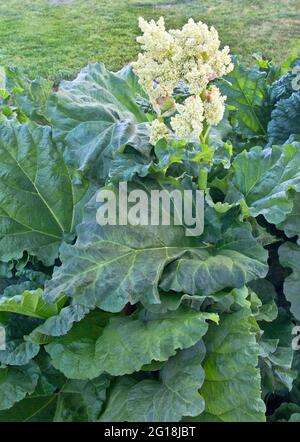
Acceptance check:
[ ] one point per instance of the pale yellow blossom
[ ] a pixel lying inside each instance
(214, 106)
(157, 131)
(187, 123)
(191, 54)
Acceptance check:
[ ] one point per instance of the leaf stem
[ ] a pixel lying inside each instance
(203, 172)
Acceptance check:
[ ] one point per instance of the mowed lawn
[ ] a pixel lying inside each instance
(56, 38)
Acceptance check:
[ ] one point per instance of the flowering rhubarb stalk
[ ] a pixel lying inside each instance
(192, 55)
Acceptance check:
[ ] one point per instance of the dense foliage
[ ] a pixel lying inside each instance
(123, 323)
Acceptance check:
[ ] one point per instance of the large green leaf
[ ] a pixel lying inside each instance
(267, 310)
(16, 383)
(289, 255)
(59, 325)
(95, 115)
(246, 91)
(263, 179)
(17, 350)
(285, 119)
(236, 259)
(93, 395)
(125, 166)
(76, 401)
(29, 95)
(275, 367)
(31, 303)
(31, 409)
(50, 380)
(74, 354)
(110, 266)
(231, 389)
(16, 291)
(124, 345)
(291, 225)
(276, 355)
(282, 88)
(116, 409)
(40, 196)
(223, 301)
(287, 412)
(132, 81)
(174, 395)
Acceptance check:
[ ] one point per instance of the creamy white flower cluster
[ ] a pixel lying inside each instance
(158, 131)
(189, 118)
(191, 54)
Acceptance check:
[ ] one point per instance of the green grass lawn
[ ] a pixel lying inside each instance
(55, 38)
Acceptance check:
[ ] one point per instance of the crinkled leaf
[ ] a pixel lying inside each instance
(289, 255)
(266, 292)
(224, 301)
(262, 234)
(93, 394)
(132, 80)
(24, 279)
(95, 115)
(124, 167)
(282, 88)
(17, 350)
(174, 394)
(60, 324)
(116, 409)
(276, 355)
(40, 196)
(123, 345)
(231, 389)
(16, 383)
(275, 367)
(235, 259)
(17, 290)
(77, 401)
(173, 152)
(262, 180)
(31, 95)
(31, 409)
(286, 412)
(291, 225)
(31, 303)
(246, 91)
(110, 266)
(285, 119)
(50, 380)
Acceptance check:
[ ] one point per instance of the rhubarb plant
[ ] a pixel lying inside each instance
(122, 322)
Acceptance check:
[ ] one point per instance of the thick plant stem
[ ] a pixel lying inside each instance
(203, 173)
(205, 137)
(202, 179)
